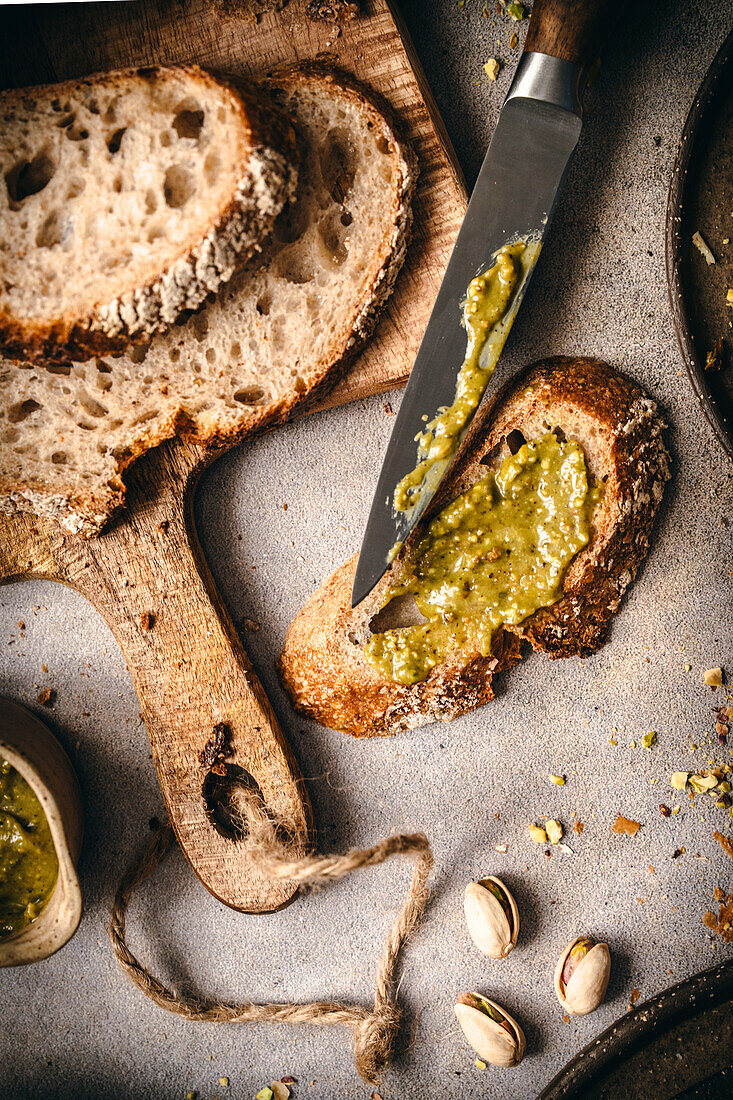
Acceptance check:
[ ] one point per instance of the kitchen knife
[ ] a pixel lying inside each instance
(515, 193)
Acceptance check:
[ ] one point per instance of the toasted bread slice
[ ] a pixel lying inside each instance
(127, 198)
(322, 665)
(275, 337)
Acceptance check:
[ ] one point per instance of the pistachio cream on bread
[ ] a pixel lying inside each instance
(494, 555)
(28, 861)
(488, 312)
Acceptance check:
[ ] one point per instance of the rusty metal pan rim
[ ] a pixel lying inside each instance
(702, 102)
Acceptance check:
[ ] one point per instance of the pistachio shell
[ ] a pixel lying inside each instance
(490, 1039)
(493, 932)
(587, 985)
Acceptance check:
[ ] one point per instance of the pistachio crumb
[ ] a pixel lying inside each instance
(679, 780)
(479, 1064)
(558, 780)
(539, 836)
(648, 739)
(516, 11)
(491, 68)
(554, 831)
(702, 247)
(713, 677)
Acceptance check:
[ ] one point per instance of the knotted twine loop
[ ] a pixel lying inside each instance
(373, 1032)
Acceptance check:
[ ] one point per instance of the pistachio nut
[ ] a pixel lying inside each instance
(492, 917)
(581, 975)
(493, 1034)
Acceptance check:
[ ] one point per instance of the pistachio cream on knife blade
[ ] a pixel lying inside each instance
(487, 318)
(494, 555)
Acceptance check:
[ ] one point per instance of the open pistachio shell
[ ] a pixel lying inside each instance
(494, 1035)
(493, 926)
(583, 989)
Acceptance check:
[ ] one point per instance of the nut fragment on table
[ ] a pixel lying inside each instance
(492, 1032)
(492, 917)
(581, 975)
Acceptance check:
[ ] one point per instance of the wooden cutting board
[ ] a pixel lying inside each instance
(146, 575)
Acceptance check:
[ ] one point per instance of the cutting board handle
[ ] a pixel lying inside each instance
(211, 727)
(572, 30)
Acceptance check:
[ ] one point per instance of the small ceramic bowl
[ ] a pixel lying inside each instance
(31, 748)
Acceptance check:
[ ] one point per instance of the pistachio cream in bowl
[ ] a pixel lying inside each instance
(40, 840)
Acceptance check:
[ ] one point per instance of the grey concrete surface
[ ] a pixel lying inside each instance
(73, 1027)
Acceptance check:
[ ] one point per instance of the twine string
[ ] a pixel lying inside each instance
(373, 1031)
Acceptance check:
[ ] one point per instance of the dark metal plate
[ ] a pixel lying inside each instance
(701, 199)
(669, 1046)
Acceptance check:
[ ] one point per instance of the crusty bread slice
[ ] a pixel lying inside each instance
(127, 198)
(276, 336)
(618, 427)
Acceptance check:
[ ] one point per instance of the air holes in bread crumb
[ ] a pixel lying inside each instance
(91, 406)
(75, 188)
(114, 141)
(20, 412)
(29, 177)
(338, 164)
(250, 395)
(263, 306)
(77, 133)
(200, 325)
(178, 186)
(515, 440)
(189, 123)
(138, 352)
(293, 268)
(329, 230)
(55, 230)
(235, 351)
(211, 168)
(59, 458)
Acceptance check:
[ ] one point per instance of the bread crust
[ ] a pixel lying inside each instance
(238, 229)
(86, 512)
(321, 666)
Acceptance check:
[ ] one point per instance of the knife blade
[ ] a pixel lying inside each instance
(513, 199)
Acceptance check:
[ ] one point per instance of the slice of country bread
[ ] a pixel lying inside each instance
(125, 199)
(619, 429)
(275, 337)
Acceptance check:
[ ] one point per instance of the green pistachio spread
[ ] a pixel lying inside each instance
(488, 312)
(28, 863)
(494, 555)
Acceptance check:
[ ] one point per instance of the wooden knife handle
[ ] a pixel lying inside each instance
(573, 30)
